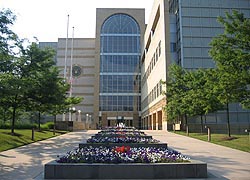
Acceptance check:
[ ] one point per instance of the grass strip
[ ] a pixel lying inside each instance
(23, 137)
(236, 141)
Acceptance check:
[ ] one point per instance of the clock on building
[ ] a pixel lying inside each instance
(76, 70)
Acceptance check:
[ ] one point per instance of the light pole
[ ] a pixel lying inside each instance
(71, 110)
(90, 121)
(87, 118)
(79, 115)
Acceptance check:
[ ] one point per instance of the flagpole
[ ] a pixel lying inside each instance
(66, 50)
(65, 57)
(71, 60)
(71, 67)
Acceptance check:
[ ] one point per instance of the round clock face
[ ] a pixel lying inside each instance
(76, 70)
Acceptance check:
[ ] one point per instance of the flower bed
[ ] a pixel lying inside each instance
(121, 135)
(121, 139)
(116, 154)
(123, 154)
(121, 131)
(156, 145)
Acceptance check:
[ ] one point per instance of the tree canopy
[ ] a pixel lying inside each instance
(231, 52)
(29, 77)
(201, 91)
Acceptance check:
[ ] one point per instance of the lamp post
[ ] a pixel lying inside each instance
(87, 119)
(71, 110)
(79, 115)
(90, 121)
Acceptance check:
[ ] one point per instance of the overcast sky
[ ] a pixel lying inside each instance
(47, 19)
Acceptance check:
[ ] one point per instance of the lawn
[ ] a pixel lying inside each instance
(22, 137)
(240, 142)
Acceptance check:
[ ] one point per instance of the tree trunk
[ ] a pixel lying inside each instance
(228, 122)
(14, 117)
(4, 115)
(39, 121)
(54, 130)
(186, 121)
(201, 124)
(13, 121)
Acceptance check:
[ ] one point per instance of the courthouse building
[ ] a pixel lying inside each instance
(119, 72)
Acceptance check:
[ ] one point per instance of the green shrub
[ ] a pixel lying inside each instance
(5, 125)
(50, 124)
(47, 126)
(18, 125)
(25, 125)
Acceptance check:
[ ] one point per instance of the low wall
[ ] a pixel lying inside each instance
(193, 169)
(220, 128)
(70, 125)
(156, 145)
(121, 135)
(215, 128)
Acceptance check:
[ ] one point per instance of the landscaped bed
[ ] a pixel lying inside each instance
(123, 154)
(121, 135)
(116, 154)
(121, 139)
(128, 131)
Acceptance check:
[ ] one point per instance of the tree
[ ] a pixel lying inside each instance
(200, 98)
(29, 79)
(176, 90)
(12, 84)
(48, 92)
(231, 52)
(42, 75)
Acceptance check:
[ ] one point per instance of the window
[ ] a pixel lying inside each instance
(119, 62)
(159, 48)
(156, 55)
(172, 47)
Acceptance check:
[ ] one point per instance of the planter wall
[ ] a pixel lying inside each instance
(157, 145)
(193, 169)
(121, 135)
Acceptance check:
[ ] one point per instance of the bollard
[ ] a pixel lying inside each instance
(208, 134)
(187, 131)
(248, 131)
(32, 135)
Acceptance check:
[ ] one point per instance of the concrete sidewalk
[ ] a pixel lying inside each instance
(223, 162)
(27, 162)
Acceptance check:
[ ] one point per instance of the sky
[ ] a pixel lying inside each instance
(47, 19)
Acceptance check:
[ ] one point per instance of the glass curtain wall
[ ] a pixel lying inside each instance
(120, 64)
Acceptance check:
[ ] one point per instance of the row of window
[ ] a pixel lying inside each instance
(152, 63)
(121, 44)
(120, 23)
(118, 84)
(120, 63)
(120, 103)
(154, 93)
(119, 66)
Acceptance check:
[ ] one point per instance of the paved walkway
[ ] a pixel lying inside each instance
(27, 162)
(223, 162)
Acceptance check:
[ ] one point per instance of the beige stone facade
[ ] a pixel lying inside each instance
(106, 117)
(83, 57)
(155, 60)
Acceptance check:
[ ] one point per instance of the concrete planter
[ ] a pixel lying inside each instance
(121, 135)
(157, 145)
(193, 169)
